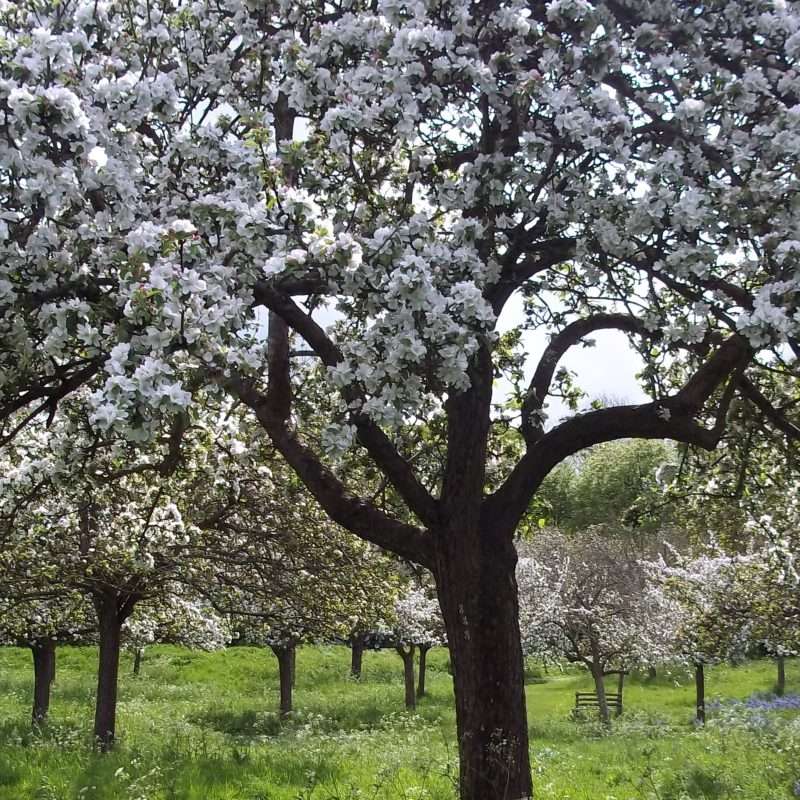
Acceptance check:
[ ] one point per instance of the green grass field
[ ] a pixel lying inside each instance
(200, 726)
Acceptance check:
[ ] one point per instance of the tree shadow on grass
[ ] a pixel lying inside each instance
(10, 775)
(325, 717)
(696, 782)
(63, 734)
(247, 723)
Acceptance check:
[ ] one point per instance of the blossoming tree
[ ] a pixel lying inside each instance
(174, 618)
(170, 170)
(41, 624)
(715, 612)
(744, 498)
(96, 519)
(586, 599)
(418, 627)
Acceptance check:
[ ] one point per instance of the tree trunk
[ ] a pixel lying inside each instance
(137, 661)
(620, 686)
(477, 588)
(780, 686)
(356, 656)
(284, 654)
(408, 675)
(44, 659)
(423, 658)
(600, 689)
(109, 628)
(700, 690)
(651, 673)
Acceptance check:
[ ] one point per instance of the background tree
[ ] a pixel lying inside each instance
(98, 519)
(604, 485)
(278, 565)
(585, 598)
(174, 619)
(418, 627)
(316, 583)
(743, 500)
(42, 624)
(714, 611)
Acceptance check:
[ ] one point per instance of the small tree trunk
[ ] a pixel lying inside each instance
(423, 659)
(137, 661)
(44, 658)
(600, 689)
(780, 686)
(110, 626)
(700, 691)
(283, 652)
(408, 674)
(356, 656)
(620, 686)
(651, 673)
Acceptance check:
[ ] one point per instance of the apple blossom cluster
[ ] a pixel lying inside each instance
(176, 619)
(64, 618)
(731, 603)
(411, 163)
(419, 618)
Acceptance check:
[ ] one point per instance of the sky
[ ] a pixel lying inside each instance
(606, 370)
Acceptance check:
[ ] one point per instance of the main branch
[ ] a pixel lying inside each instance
(672, 417)
(554, 352)
(351, 512)
(377, 443)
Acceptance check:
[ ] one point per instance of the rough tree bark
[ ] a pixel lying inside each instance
(478, 597)
(44, 659)
(700, 693)
(423, 662)
(780, 685)
(356, 656)
(407, 654)
(285, 655)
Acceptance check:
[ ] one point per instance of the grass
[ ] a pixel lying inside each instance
(202, 726)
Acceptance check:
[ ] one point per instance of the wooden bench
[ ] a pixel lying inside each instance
(589, 700)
